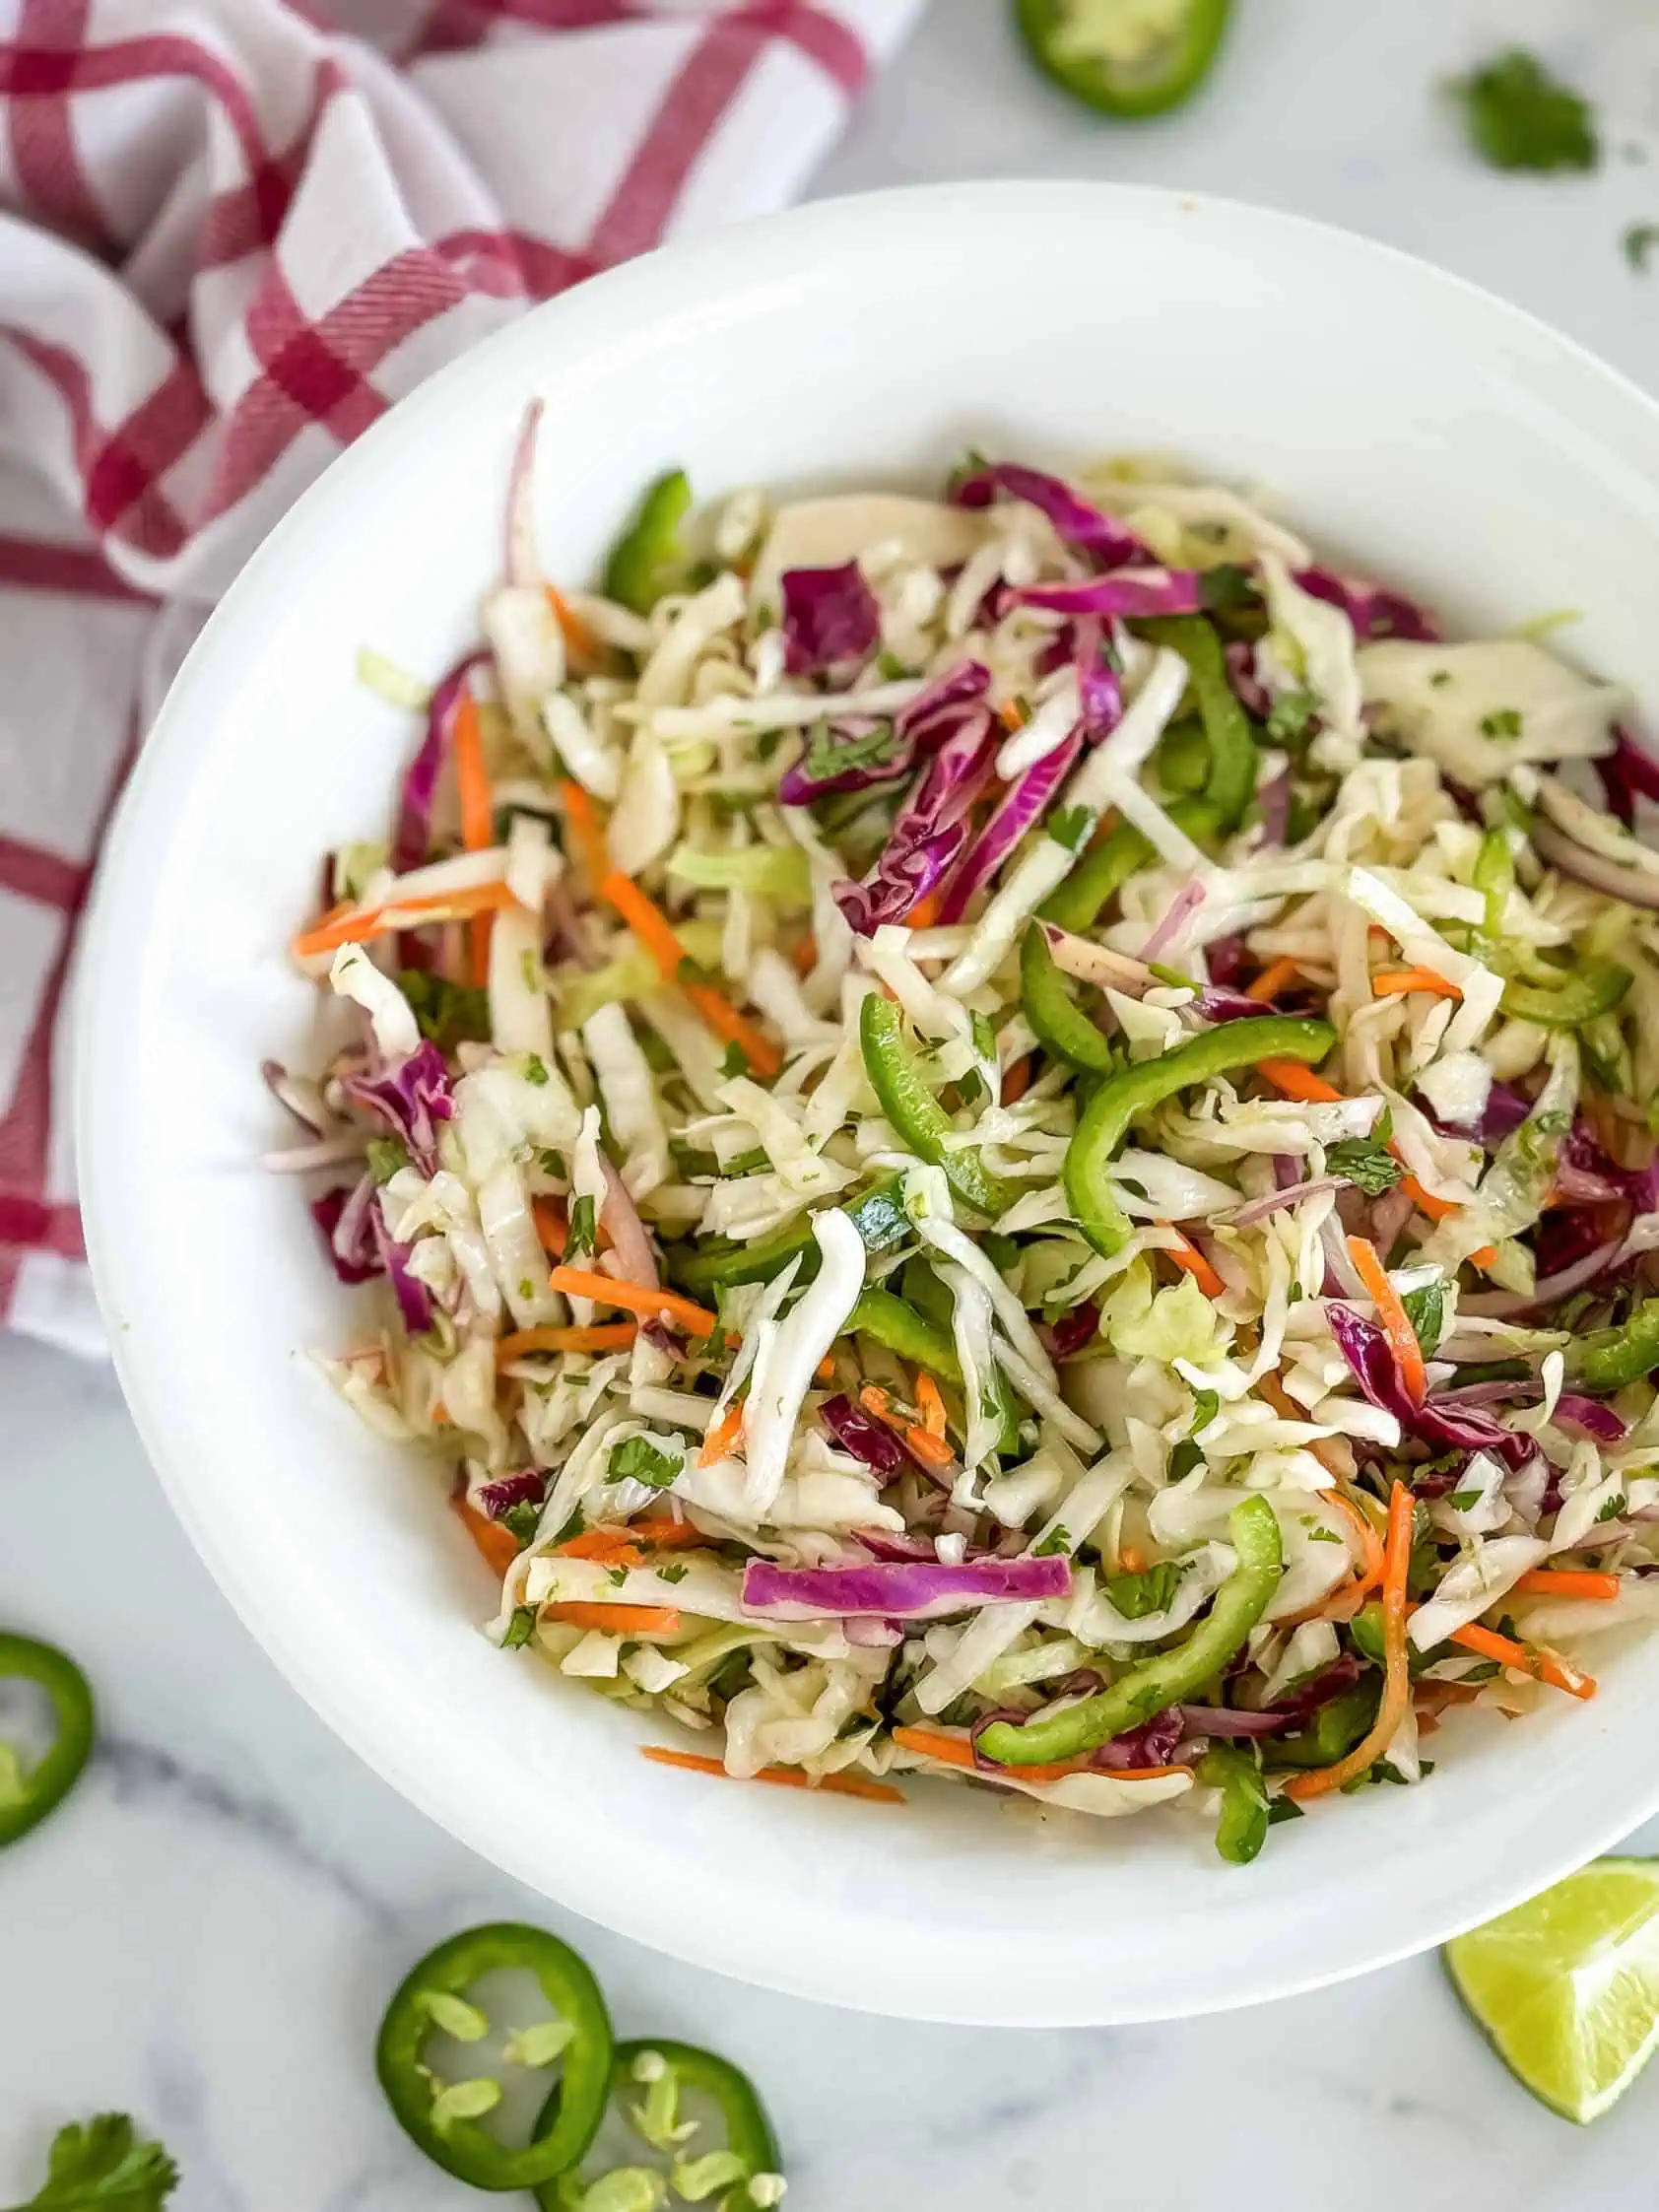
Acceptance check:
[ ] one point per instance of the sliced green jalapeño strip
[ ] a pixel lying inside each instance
(1609, 1359)
(1122, 1099)
(1142, 1690)
(1122, 852)
(1125, 57)
(444, 2120)
(1595, 987)
(29, 1794)
(920, 1121)
(910, 1336)
(1060, 1025)
(648, 560)
(1229, 783)
(719, 1263)
(648, 2078)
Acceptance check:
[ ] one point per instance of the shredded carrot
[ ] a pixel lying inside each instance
(958, 1751)
(655, 932)
(611, 1545)
(1408, 1353)
(875, 1400)
(925, 912)
(1191, 1262)
(781, 1777)
(933, 1452)
(550, 1226)
(720, 1440)
(665, 1535)
(1563, 1581)
(1342, 1603)
(922, 1442)
(637, 1297)
(1297, 1082)
(1482, 1256)
(825, 1372)
(1017, 1081)
(1132, 1559)
(1272, 980)
(356, 926)
(805, 955)
(1011, 715)
(932, 1405)
(616, 1620)
(1401, 982)
(472, 781)
(1397, 1689)
(1536, 1659)
(498, 1547)
(586, 831)
(579, 638)
(600, 1336)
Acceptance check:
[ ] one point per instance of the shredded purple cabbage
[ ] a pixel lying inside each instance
(497, 1498)
(931, 831)
(1592, 1176)
(1133, 593)
(1628, 772)
(1084, 527)
(829, 616)
(855, 754)
(1301, 1705)
(411, 1099)
(1072, 1331)
(345, 1217)
(1153, 1744)
(859, 1432)
(413, 838)
(1020, 809)
(1590, 1415)
(1374, 614)
(897, 1590)
(1443, 1428)
(1251, 694)
(937, 713)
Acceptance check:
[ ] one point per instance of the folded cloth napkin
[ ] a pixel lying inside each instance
(232, 237)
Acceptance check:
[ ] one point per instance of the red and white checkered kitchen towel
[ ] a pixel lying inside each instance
(231, 236)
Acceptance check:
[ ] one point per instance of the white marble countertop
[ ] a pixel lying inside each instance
(206, 1934)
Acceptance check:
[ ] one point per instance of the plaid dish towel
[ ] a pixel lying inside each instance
(232, 238)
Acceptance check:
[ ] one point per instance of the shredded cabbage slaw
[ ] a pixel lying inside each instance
(1011, 1136)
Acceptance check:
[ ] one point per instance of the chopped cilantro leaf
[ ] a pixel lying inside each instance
(1638, 243)
(1291, 717)
(535, 1069)
(583, 1228)
(1364, 1162)
(1068, 826)
(1057, 1540)
(385, 1156)
(1520, 118)
(1504, 721)
(637, 1459)
(520, 1629)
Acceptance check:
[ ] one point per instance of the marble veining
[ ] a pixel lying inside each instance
(206, 1936)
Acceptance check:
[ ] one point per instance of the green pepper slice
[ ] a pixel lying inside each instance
(916, 1114)
(648, 560)
(1122, 1099)
(1183, 757)
(656, 2070)
(28, 1795)
(717, 1263)
(909, 1335)
(1335, 1729)
(1125, 57)
(1121, 853)
(571, 2115)
(1595, 987)
(1242, 1822)
(1169, 1676)
(1608, 1358)
(1231, 781)
(1062, 1028)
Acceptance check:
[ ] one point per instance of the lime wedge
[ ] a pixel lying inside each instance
(1566, 1986)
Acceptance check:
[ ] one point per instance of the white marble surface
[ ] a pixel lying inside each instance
(207, 1932)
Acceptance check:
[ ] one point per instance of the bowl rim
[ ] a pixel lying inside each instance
(112, 950)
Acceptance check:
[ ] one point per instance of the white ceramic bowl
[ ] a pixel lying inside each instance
(1431, 435)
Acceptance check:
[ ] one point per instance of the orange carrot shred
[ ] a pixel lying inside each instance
(1191, 1262)
(933, 1452)
(550, 1226)
(1397, 1689)
(615, 1619)
(932, 1405)
(356, 926)
(1298, 1081)
(1132, 1559)
(721, 1439)
(586, 833)
(471, 780)
(1536, 1659)
(610, 1545)
(579, 638)
(1564, 1581)
(1272, 980)
(781, 1777)
(1400, 982)
(600, 1336)
(665, 1535)
(1408, 1353)
(637, 1297)
(657, 933)
(958, 1752)
(1017, 1081)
